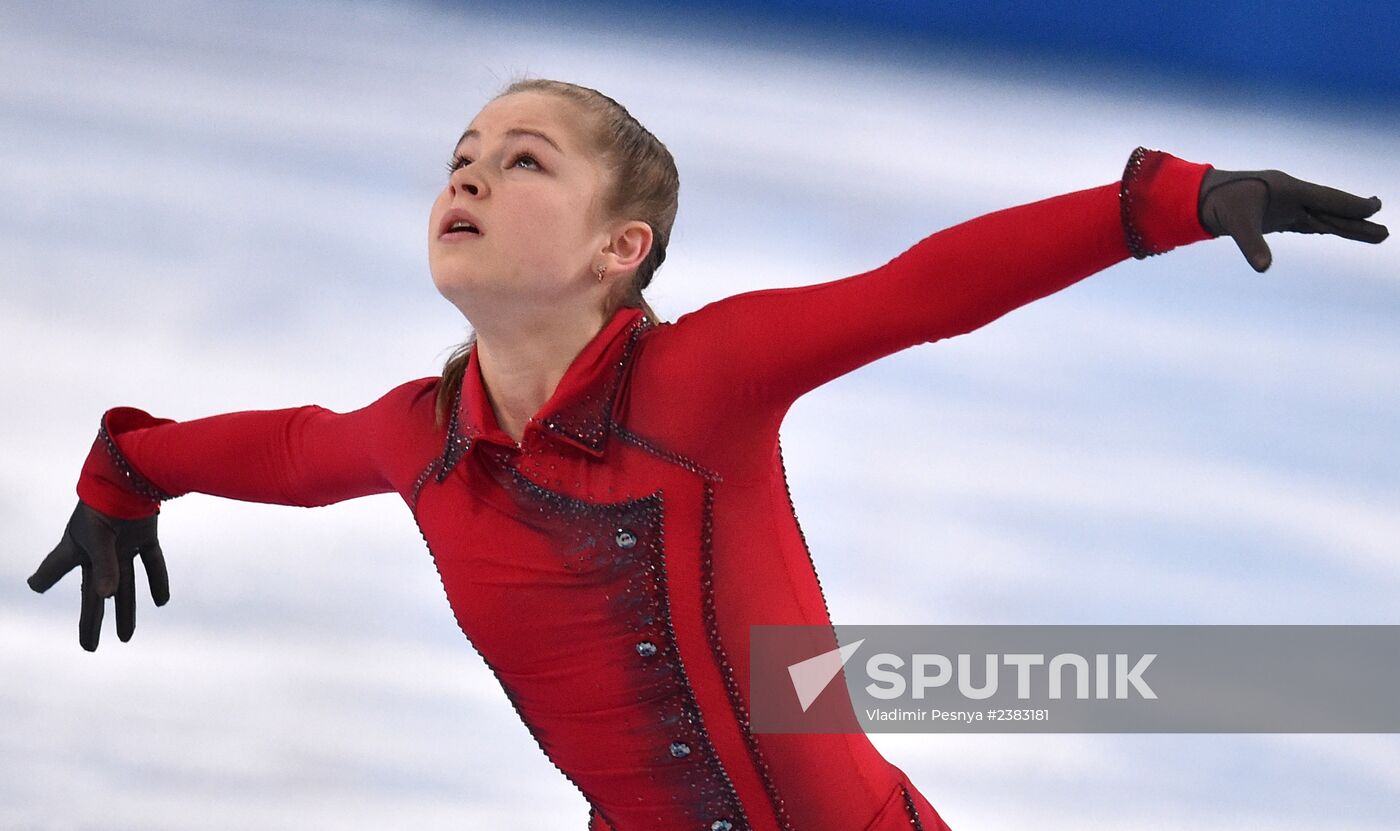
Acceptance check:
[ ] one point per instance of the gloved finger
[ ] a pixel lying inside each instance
(90, 618)
(1247, 230)
(1255, 250)
(1321, 198)
(58, 563)
(1355, 229)
(102, 550)
(154, 561)
(126, 600)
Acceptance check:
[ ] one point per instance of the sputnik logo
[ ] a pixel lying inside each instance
(811, 676)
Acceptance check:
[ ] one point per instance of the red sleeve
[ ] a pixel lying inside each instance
(297, 456)
(759, 351)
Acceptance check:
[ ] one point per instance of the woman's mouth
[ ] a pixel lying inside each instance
(457, 224)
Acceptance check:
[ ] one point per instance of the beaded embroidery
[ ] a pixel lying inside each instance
(510, 694)
(584, 423)
(622, 545)
(731, 684)
(1131, 172)
(792, 509)
(138, 483)
(587, 422)
(914, 821)
(592, 812)
(626, 542)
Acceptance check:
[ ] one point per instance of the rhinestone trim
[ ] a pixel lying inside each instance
(418, 485)
(510, 694)
(674, 458)
(594, 812)
(140, 484)
(914, 821)
(792, 509)
(647, 605)
(457, 444)
(644, 598)
(587, 422)
(1126, 191)
(731, 685)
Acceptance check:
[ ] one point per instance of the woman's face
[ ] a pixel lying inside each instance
(530, 197)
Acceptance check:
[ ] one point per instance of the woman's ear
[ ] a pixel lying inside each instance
(630, 245)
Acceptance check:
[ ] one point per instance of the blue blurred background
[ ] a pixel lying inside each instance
(1284, 46)
(214, 207)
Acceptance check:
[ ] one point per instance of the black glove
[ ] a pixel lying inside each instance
(1246, 204)
(105, 547)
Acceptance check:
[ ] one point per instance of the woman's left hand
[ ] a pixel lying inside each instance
(105, 547)
(1246, 204)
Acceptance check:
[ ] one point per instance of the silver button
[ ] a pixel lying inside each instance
(625, 538)
(721, 825)
(646, 649)
(680, 749)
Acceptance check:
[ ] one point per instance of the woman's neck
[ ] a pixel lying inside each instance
(523, 362)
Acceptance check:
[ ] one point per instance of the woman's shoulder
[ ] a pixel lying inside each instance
(408, 411)
(400, 429)
(683, 393)
(409, 397)
(416, 392)
(668, 341)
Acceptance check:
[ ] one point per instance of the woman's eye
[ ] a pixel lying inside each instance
(457, 162)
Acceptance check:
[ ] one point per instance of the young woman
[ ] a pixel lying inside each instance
(603, 494)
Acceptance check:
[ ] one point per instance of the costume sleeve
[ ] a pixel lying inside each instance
(763, 349)
(297, 456)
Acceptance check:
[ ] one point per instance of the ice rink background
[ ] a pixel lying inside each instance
(209, 209)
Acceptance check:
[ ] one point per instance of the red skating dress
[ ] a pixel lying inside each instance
(609, 566)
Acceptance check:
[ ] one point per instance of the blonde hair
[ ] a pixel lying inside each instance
(641, 183)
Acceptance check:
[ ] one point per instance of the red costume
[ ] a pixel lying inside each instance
(608, 567)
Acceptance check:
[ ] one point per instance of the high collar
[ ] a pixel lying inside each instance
(578, 413)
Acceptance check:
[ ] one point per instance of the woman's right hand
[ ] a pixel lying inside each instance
(106, 548)
(1247, 204)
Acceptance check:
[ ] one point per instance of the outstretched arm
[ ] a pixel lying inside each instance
(759, 351)
(296, 456)
(302, 456)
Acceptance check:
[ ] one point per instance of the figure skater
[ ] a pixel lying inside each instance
(603, 493)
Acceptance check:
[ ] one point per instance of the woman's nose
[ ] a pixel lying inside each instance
(463, 178)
